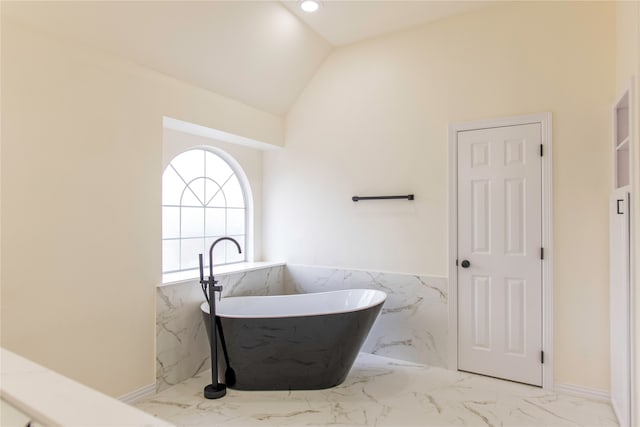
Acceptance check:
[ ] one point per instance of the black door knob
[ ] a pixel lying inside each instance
(465, 263)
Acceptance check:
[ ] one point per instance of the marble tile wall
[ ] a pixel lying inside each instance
(413, 324)
(182, 349)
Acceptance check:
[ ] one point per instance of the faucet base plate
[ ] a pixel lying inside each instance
(215, 391)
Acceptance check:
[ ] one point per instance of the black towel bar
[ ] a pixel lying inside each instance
(358, 198)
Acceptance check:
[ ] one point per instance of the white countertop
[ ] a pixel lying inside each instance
(54, 400)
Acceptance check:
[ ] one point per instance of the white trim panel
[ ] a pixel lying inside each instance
(586, 392)
(137, 395)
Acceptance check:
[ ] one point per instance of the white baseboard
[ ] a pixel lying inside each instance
(582, 391)
(139, 394)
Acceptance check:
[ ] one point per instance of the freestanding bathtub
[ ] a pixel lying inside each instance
(294, 342)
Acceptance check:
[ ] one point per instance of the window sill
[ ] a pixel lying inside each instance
(191, 275)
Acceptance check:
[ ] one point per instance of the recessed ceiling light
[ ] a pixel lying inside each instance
(309, 5)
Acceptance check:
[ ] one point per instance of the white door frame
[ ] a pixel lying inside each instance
(547, 234)
(629, 90)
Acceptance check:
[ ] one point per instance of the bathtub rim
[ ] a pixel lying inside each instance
(379, 298)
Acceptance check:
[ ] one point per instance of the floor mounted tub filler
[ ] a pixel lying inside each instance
(294, 342)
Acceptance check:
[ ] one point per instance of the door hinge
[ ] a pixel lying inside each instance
(541, 253)
(541, 150)
(456, 263)
(542, 357)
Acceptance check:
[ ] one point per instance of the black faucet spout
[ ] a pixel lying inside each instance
(213, 245)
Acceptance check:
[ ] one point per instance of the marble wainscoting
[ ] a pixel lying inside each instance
(182, 349)
(413, 324)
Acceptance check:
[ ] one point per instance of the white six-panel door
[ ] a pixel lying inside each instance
(500, 237)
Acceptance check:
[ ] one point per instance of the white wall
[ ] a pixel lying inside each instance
(374, 121)
(82, 163)
(628, 66)
(81, 194)
(250, 159)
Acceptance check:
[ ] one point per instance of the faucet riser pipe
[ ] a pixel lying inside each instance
(215, 390)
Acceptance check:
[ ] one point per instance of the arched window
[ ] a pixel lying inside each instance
(202, 200)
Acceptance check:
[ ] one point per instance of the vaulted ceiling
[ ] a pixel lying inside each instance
(261, 53)
(345, 22)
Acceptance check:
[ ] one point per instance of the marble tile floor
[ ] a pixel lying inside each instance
(383, 392)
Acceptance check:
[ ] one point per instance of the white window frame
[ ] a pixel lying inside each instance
(248, 202)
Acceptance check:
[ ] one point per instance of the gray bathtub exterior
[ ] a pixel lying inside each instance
(293, 353)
